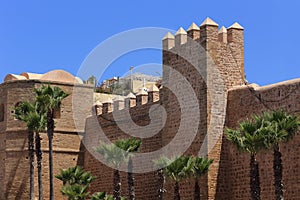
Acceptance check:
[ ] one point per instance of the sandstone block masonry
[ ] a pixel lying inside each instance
(212, 61)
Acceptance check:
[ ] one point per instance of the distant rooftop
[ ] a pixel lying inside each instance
(55, 75)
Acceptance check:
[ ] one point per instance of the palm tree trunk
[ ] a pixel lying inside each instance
(197, 190)
(161, 181)
(277, 167)
(254, 178)
(31, 160)
(176, 191)
(39, 164)
(117, 185)
(130, 180)
(50, 130)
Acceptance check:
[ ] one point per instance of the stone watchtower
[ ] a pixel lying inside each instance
(14, 165)
(212, 61)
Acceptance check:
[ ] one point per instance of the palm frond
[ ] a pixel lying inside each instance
(112, 153)
(200, 166)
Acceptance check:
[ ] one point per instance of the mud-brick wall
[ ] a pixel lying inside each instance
(243, 102)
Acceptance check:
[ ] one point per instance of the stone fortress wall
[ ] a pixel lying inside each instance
(222, 53)
(212, 61)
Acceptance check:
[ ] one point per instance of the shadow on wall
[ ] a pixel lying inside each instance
(17, 179)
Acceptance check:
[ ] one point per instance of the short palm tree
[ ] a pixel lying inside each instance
(75, 175)
(36, 123)
(49, 99)
(103, 196)
(114, 156)
(178, 170)
(100, 196)
(200, 167)
(280, 127)
(75, 192)
(248, 138)
(76, 182)
(130, 145)
(161, 164)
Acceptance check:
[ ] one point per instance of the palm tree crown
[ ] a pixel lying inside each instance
(248, 137)
(112, 153)
(49, 98)
(200, 166)
(31, 115)
(179, 169)
(281, 127)
(129, 145)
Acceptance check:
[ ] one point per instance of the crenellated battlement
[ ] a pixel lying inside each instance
(208, 31)
(142, 98)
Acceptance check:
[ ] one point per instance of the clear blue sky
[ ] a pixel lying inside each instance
(38, 36)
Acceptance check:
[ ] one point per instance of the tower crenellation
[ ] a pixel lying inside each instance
(208, 33)
(168, 41)
(107, 106)
(119, 103)
(235, 33)
(180, 37)
(130, 100)
(193, 31)
(141, 97)
(223, 35)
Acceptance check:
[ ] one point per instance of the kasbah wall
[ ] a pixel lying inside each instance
(221, 51)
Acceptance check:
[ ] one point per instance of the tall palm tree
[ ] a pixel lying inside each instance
(280, 127)
(178, 170)
(36, 122)
(248, 138)
(200, 166)
(130, 145)
(49, 99)
(114, 156)
(161, 164)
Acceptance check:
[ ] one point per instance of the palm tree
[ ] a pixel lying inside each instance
(178, 170)
(75, 175)
(280, 127)
(114, 156)
(49, 99)
(36, 122)
(103, 196)
(99, 196)
(75, 182)
(161, 163)
(130, 145)
(200, 166)
(248, 138)
(75, 192)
